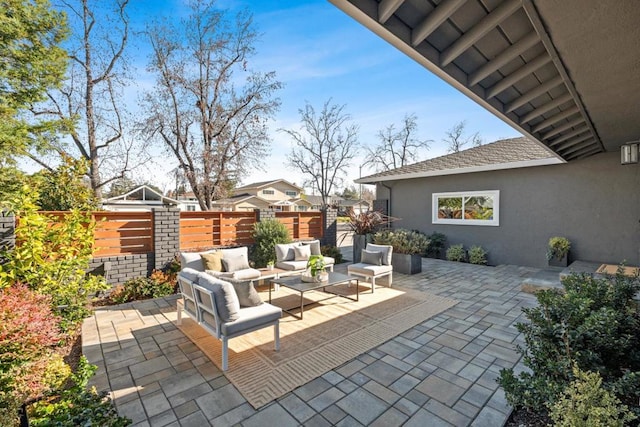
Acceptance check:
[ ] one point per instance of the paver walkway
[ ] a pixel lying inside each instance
(439, 373)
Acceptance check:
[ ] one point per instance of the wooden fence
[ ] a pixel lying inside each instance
(302, 225)
(123, 233)
(127, 233)
(200, 230)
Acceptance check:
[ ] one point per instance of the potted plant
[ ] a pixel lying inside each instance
(408, 247)
(315, 270)
(270, 265)
(363, 225)
(558, 251)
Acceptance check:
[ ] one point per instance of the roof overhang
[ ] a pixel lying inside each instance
(563, 72)
(456, 171)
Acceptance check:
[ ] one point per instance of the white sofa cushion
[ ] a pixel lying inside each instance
(315, 246)
(285, 251)
(292, 265)
(303, 252)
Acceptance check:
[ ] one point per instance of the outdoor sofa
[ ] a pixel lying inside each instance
(215, 305)
(230, 264)
(293, 257)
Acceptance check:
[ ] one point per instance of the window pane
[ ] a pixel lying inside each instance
(450, 207)
(478, 207)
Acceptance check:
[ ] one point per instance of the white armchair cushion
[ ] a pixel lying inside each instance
(369, 269)
(386, 250)
(227, 303)
(252, 317)
(371, 257)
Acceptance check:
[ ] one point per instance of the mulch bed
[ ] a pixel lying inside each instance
(524, 418)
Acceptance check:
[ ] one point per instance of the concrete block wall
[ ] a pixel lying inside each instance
(119, 269)
(166, 235)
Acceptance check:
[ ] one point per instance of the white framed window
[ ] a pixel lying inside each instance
(467, 208)
(291, 193)
(268, 192)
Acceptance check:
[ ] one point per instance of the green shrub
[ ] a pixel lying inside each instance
(477, 255)
(457, 253)
(77, 405)
(403, 241)
(333, 252)
(594, 323)
(51, 256)
(267, 234)
(436, 245)
(586, 403)
(141, 288)
(558, 247)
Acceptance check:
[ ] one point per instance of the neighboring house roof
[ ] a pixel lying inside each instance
(254, 185)
(348, 203)
(238, 198)
(143, 195)
(504, 154)
(317, 200)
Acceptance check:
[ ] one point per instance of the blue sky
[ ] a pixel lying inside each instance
(319, 52)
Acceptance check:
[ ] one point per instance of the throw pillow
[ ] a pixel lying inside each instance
(302, 252)
(315, 247)
(226, 300)
(284, 252)
(386, 250)
(247, 294)
(235, 263)
(371, 257)
(212, 261)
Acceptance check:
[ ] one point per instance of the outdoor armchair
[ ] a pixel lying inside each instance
(375, 263)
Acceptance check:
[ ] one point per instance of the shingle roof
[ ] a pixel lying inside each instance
(503, 154)
(264, 184)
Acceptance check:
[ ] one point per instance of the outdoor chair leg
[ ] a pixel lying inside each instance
(225, 353)
(276, 335)
(179, 307)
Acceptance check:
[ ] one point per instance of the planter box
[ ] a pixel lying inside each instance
(406, 264)
(555, 262)
(359, 243)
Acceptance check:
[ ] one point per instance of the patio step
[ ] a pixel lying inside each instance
(551, 277)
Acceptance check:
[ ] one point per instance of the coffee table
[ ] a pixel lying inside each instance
(296, 284)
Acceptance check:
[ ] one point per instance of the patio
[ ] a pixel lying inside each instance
(440, 372)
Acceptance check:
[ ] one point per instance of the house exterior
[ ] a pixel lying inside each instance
(142, 198)
(516, 196)
(565, 75)
(278, 194)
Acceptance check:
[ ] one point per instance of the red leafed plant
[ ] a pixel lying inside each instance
(27, 325)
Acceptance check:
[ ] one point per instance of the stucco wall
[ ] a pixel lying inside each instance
(594, 202)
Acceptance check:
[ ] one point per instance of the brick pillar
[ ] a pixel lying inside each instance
(166, 235)
(330, 225)
(7, 231)
(381, 205)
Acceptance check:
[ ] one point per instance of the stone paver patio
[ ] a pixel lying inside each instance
(439, 373)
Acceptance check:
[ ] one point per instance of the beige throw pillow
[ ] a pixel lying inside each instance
(212, 261)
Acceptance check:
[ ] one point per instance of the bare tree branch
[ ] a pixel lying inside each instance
(325, 147)
(397, 148)
(456, 139)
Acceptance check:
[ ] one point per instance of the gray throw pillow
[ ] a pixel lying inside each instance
(235, 263)
(315, 246)
(371, 257)
(247, 294)
(227, 304)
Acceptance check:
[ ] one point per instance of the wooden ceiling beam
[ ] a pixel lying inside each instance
(569, 135)
(441, 13)
(386, 8)
(504, 58)
(565, 126)
(486, 24)
(522, 72)
(546, 108)
(533, 94)
(555, 119)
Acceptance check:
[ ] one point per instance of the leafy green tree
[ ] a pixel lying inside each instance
(31, 62)
(64, 188)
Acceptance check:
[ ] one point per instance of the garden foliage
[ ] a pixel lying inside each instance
(457, 253)
(159, 284)
(593, 324)
(403, 241)
(266, 234)
(51, 255)
(333, 252)
(436, 244)
(477, 255)
(586, 403)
